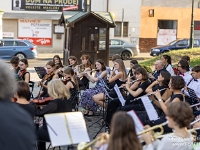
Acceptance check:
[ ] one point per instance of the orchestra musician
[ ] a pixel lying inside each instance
(133, 62)
(176, 84)
(21, 95)
(184, 69)
(118, 78)
(17, 128)
(122, 136)
(86, 99)
(73, 63)
(159, 66)
(179, 115)
(49, 76)
(60, 103)
(86, 63)
(71, 85)
(23, 73)
(166, 59)
(57, 61)
(15, 64)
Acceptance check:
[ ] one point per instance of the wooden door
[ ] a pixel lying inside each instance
(90, 38)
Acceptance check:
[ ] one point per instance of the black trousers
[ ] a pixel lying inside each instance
(43, 137)
(145, 121)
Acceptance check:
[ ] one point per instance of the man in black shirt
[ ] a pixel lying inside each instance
(16, 127)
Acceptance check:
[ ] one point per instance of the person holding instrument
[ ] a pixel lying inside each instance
(86, 63)
(118, 78)
(122, 136)
(176, 84)
(179, 115)
(60, 103)
(86, 99)
(73, 63)
(57, 61)
(71, 85)
(49, 76)
(23, 74)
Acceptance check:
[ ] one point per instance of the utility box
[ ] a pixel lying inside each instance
(86, 33)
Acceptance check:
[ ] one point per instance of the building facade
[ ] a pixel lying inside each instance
(27, 19)
(162, 22)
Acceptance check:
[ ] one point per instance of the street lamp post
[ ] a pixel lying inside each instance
(192, 26)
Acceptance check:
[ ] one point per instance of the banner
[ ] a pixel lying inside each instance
(38, 32)
(47, 5)
(165, 36)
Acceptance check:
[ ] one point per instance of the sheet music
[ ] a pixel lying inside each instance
(57, 124)
(77, 127)
(151, 112)
(66, 128)
(138, 125)
(119, 94)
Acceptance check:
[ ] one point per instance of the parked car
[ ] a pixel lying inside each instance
(124, 48)
(19, 48)
(175, 45)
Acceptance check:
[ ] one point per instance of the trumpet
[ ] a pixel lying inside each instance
(87, 146)
(194, 130)
(157, 134)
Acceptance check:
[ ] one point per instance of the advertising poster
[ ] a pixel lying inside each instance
(38, 32)
(165, 36)
(47, 5)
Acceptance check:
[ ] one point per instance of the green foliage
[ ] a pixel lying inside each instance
(194, 55)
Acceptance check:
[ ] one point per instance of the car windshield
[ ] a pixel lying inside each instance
(172, 43)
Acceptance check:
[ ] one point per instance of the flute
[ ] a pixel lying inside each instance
(122, 86)
(197, 120)
(146, 95)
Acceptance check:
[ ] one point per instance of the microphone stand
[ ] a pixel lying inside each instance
(104, 123)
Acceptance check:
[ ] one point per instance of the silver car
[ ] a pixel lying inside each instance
(124, 48)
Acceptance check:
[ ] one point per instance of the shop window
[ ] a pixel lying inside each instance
(167, 24)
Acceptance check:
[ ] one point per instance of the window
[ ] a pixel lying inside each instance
(118, 29)
(196, 43)
(8, 43)
(21, 44)
(167, 24)
(182, 43)
(115, 42)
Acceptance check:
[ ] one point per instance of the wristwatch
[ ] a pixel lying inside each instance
(160, 100)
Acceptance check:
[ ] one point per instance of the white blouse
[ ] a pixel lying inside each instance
(170, 70)
(171, 142)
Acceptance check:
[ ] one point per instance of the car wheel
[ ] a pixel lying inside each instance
(126, 55)
(20, 55)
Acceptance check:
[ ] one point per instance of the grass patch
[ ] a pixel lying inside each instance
(176, 55)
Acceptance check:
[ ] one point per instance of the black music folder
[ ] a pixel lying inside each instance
(41, 72)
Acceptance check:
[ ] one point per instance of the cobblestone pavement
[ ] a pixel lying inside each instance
(92, 131)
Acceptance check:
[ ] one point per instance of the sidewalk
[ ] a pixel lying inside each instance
(141, 56)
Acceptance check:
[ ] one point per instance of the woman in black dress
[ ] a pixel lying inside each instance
(50, 66)
(23, 74)
(71, 85)
(60, 103)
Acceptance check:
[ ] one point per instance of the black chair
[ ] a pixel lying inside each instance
(31, 85)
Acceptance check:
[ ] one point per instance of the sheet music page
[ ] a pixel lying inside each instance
(57, 129)
(138, 125)
(119, 94)
(151, 112)
(77, 127)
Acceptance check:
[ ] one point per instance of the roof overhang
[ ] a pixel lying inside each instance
(69, 18)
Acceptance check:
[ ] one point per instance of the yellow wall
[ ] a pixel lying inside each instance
(148, 25)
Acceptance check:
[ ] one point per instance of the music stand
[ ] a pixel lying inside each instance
(41, 72)
(103, 117)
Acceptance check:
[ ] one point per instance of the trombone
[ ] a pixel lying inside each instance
(87, 146)
(157, 134)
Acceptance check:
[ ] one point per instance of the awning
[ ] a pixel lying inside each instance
(69, 18)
